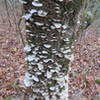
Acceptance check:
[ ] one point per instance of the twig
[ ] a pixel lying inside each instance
(19, 31)
(6, 6)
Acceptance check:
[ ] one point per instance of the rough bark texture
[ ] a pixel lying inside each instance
(48, 49)
(48, 66)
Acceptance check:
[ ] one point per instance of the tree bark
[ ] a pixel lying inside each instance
(48, 50)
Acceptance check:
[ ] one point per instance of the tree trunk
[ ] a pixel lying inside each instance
(47, 49)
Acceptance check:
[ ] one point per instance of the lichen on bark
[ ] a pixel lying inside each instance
(48, 51)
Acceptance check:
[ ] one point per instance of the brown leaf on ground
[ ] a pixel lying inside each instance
(12, 64)
(86, 66)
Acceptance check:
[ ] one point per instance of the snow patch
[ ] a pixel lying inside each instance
(56, 20)
(57, 11)
(65, 26)
(60, 0)
(27, 31)
(35, 78)
(70, 57)
(42, 56)
(40, 66)
(47, 60)
(27, 82)
(30, 58)
(52, 88)
(32, 45)
(27, 79)
(67, 51)
(36, 3)
(22, 1)
(59, 54)
(27, 16)
(34, 52)
(43, 36)
(52, 27)
(27, 48)
(57, 25)
(63, 82)
(44, 52)
(38, 73)
(32, 11)
(42, 13)
(78, 22)
(66, 39)
(39, 24)
(47, 45)
(49, 74)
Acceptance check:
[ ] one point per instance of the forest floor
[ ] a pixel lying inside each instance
(12, 65)
(84, 81)
(85, 68)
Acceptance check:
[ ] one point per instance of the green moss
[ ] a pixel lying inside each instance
(98, 98)
(14, 84)
(64, 62)
(7, 98)
(97, 81)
